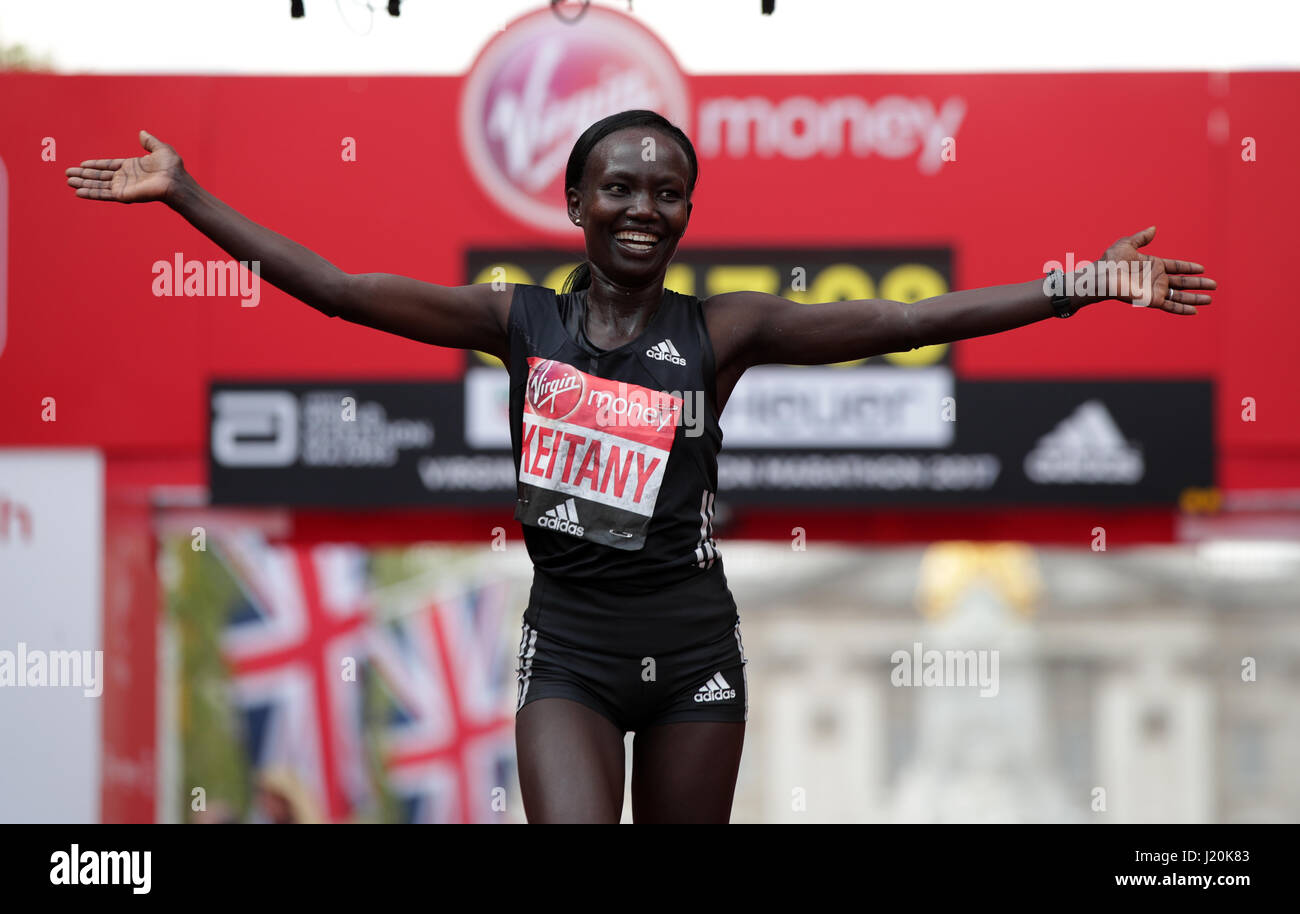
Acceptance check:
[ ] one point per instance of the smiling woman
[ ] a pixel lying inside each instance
(630, 624)
(633, 163)
(628, 620)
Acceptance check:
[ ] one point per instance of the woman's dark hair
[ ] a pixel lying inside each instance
(580, 277)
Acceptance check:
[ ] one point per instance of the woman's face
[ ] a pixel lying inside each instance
(633, 205)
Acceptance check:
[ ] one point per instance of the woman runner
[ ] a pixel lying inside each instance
(616, 388)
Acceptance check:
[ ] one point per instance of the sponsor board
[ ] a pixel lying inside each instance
(606, 447)
(340, 444)
(487, 407)
(810, 276)
(789, 407)
(540, 82)
(781, 407)
(858, 196)
(1050, 442)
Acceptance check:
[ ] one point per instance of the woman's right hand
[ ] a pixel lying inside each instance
(463, 317)
(139, 180)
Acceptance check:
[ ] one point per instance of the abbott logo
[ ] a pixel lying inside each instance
(254, 428)
(1085, 447)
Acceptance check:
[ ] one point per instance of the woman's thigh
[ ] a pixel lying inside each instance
(571, 763)
(686, 772)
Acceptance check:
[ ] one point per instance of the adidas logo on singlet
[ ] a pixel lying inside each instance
(665, 351)
(716, 689)
(563, 518)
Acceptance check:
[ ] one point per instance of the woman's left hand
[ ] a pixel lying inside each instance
(1166, 284)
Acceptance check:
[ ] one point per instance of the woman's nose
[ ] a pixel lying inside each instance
(641, 205)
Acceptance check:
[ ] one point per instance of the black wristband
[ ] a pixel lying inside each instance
(1060, 303)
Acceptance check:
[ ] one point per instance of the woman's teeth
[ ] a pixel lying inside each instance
(637, 241)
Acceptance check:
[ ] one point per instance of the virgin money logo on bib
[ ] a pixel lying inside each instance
(539, 84)
(554, 388)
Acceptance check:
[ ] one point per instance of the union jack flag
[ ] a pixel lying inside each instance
(450, 739)
(300, 615)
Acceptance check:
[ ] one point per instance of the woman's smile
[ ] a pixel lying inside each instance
(637, 244)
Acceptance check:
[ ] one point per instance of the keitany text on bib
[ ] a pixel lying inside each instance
(593, 453)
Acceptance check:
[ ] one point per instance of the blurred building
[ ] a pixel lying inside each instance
(1122, 694)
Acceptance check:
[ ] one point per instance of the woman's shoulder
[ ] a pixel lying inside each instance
(533, 295)
(685, 299)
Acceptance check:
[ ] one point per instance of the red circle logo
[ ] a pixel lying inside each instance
(554, 389)
(539, 84)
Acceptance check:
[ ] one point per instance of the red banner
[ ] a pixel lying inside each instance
(374, 173)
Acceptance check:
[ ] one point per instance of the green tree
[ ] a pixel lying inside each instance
(18, 57)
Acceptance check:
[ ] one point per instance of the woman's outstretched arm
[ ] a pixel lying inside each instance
(753, 328)
(466, 317)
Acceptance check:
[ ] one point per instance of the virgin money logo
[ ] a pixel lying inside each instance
(554, 389)
(539, 84)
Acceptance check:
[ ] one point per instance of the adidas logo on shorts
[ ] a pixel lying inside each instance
(716, 689)
(563, 518)
(665, 351)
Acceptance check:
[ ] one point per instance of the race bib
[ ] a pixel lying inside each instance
(593, 453)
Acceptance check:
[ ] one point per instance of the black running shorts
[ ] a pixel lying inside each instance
(639, 659)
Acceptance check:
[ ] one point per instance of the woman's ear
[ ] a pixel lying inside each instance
(574, 201)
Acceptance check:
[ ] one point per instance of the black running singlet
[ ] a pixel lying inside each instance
(615, 450)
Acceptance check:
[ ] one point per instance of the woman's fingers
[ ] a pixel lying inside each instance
(111, 164)
(1179, 293)
(74, 181)
(99, 174)
(1192, 282)
(1142, 238)
(91, 188)
(1190, 298)
(1181, 266)
(1178, 302)
(95, 193)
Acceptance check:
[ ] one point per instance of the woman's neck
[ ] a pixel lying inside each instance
(616, 314)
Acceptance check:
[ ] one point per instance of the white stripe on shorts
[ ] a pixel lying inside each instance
(744, 673)
(527, 648)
